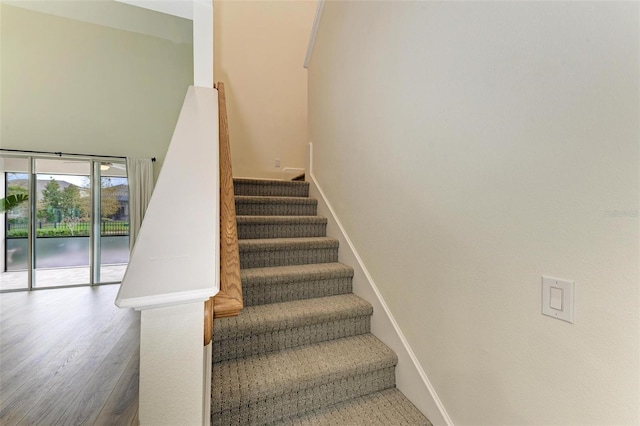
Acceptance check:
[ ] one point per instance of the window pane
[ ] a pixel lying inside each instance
(63, 223)
(114, 222)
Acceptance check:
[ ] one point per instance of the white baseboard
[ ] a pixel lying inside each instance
(410, 377)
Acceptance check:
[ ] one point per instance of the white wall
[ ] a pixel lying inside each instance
(259, 53)
(468, 149)
(171, 380)
(77, 87)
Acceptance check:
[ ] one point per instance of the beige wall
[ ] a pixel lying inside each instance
(470, 148)
(77, 87)
(259, 54)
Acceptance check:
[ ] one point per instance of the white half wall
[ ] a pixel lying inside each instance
(172, 264)
(468, 148)
(173, 270)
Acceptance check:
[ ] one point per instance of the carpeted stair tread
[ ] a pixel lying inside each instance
(275, 206)
(256, 377)
(263, 187)
(278, 326)
(285, 283)
(280, 316)
(258, 253)
(280, 219)
(257, 227)
(298, 272)
(385, 408)
(285, 243)
(268, 387)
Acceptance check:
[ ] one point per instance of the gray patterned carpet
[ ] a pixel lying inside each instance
(301, 351)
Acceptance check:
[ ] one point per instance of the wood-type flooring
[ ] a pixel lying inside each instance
(68, 356)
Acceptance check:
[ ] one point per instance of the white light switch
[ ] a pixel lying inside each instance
(557, 298)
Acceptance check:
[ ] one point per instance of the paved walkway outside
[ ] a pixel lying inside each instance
(59, 277)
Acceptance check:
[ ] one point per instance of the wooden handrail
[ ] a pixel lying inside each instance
(228, 302)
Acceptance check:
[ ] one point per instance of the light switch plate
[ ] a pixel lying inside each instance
(557, 298)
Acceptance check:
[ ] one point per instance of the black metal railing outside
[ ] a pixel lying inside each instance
(67, 229)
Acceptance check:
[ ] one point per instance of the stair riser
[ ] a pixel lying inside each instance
(277, 189)
(267, 258)
(289, 338)
(281, 209)
(261, 294)
(278, 406)
(256, 231)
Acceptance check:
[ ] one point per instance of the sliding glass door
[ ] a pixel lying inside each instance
(71, 226)
(62, 223)
(113, 242)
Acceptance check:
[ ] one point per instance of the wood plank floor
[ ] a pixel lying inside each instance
(68, 357)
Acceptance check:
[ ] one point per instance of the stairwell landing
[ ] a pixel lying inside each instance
(301, 351)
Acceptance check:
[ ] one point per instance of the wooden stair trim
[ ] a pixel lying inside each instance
(228, 302)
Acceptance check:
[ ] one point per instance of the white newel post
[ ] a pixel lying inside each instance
(171, 372)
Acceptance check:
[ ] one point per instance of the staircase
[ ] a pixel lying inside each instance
(301, 351)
